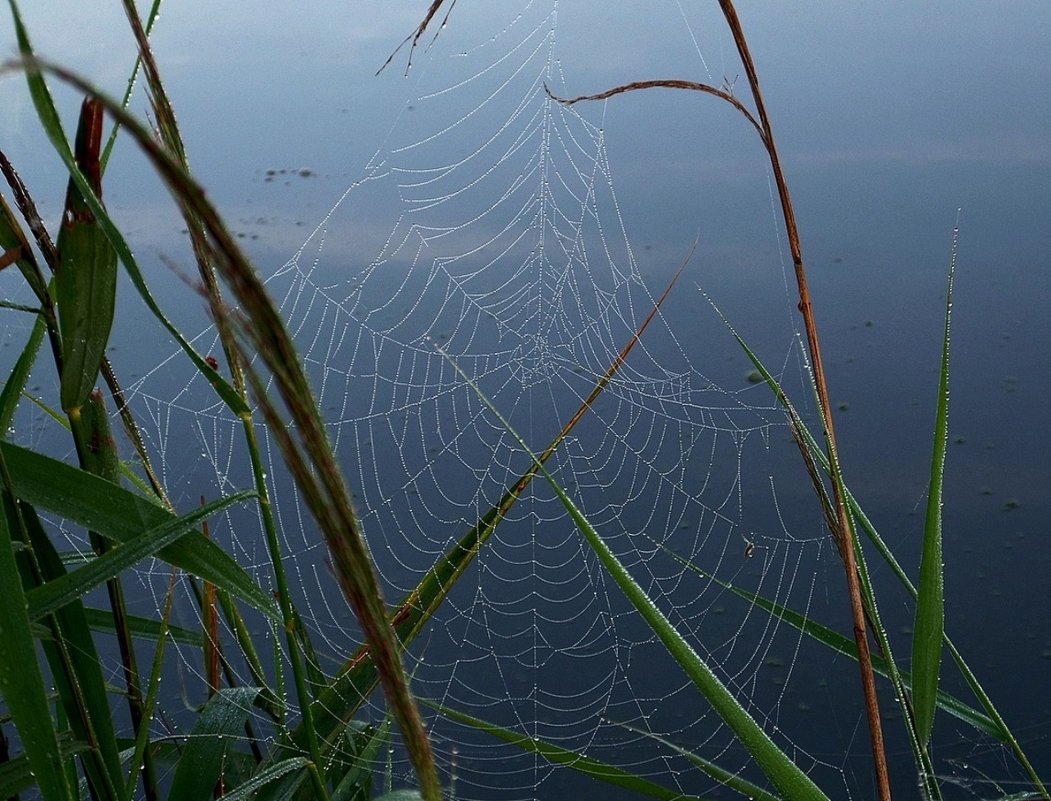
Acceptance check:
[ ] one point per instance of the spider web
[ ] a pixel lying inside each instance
(510, 256)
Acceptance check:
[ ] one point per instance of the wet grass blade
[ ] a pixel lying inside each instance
(840, 644)
(21, 682)
(143, 628)
(120, 515)
(556, 755)
(86, 280)
(19, 376)
(751, 791)
(58, 592)
(16, 775)
(201, 763)
(929, 626)
(783, 773)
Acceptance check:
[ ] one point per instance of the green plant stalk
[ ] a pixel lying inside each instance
(785, 775)
(97, 451)
(155, 10)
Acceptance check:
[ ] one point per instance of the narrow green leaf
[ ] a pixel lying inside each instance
(221, 720)
(401, 795)
(929, 624)
(840, 644)
(21, 682)
(16, 381)
(76, 669)
(556, 755)
(751, 791)
(783, 773)
(86, 279)
(120, 515)
(56, 593)
(264, 777)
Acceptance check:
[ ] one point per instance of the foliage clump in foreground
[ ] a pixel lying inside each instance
(248, 741)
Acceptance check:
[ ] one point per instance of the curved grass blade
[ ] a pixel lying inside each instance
(929, 624)
(201, 763)
(272, 773)
(784, 774)
(141, 627)
(120, 515)
(86, 279)
(16, 381)
(58, 592)
(751, 791)
(594, 768)
(21, 682)
(840, 644)
(75, 667)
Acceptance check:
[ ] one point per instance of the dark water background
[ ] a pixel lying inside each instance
(889, 119)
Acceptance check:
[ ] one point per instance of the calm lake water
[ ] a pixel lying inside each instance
(530, 241)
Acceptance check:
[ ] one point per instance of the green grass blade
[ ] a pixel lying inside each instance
(86, 280)
(784, 774)
(929, 624)
(751, 791)
(556, 755)
(219, 723)
(58, 592)
(141, 627)
(120, 515)
(21, 682)
(269, 774)
(840, 644)
(76, 668)
(16, 381)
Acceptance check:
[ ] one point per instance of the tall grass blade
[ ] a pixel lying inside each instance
(120, 515)
(556, 755)
(21, 682)
(201, 763)
(75, 667)
(929, 624)
(840, 644)
(58, 592)
(752, 792)
(16, 381)
(783, 773)
(144, 628)
(86, 280)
